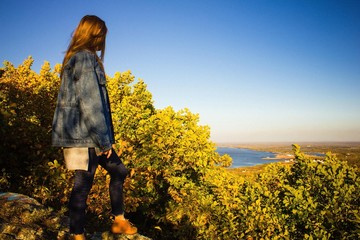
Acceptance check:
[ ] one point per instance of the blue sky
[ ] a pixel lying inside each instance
(254, 70)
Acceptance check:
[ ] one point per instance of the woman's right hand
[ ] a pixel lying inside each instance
(107, 153)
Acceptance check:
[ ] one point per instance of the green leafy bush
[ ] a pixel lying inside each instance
(178, 186)
(27, 102)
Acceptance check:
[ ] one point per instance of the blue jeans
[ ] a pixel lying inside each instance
(83, 181)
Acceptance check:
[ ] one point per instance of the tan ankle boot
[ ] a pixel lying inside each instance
(79, 237)
(123, 226)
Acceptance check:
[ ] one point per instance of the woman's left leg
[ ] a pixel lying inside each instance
(118, 173)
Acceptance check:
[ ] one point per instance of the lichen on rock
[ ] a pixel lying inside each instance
(22, 217)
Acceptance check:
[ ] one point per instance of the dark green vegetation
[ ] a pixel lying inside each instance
(178, 187)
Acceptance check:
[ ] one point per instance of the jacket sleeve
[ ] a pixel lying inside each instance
(91, 102)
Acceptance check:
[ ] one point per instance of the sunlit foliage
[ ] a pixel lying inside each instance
(178, 186)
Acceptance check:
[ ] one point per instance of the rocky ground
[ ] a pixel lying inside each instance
(22, 217)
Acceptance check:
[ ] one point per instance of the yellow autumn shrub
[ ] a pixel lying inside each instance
(178, 186)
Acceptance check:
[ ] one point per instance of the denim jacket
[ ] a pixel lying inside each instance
(82, 116)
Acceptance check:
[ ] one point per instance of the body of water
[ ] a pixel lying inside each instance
(245, 157)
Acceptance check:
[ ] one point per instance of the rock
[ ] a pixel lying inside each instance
(22, 217)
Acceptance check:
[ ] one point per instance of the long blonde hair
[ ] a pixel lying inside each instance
(89, 35)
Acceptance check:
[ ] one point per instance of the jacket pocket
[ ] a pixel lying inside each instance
(73, 128)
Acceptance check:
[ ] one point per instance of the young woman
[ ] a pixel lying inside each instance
(82, 125)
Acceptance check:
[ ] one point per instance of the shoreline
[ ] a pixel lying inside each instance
(280, 156)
